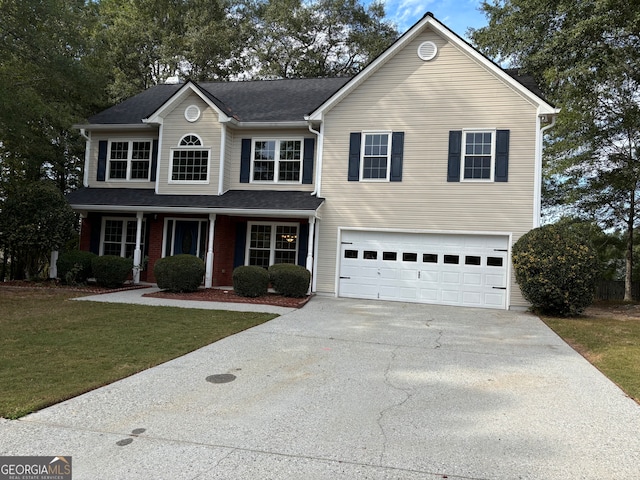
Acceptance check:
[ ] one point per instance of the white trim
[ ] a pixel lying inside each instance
(430, 22)
(537, 180)
(123, 241)
(195, 117)
(272, 241)
(208, 275)
(190, 148)
(187, 88)
(157, 185)
(276, 167)
(223, 146)
(87, 157)
(173, 233)
(493, 132)
(115, 126)
(314, 272)
(200, 210)
(363, 138)
(318, 157)
(129, 160)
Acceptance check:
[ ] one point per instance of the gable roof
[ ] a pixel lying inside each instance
(252, 101)
(522, 84)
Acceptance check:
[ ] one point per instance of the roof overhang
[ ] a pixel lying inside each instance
(115, 126)
(428, 21)
(187, 89)
(246, 212)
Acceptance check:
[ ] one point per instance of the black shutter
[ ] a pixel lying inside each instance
(102, 161)
(303, 243)
(245, 160)
(455, 149)
(154, 162)
(397, 152)
(307, 161)
(241, 244)
(502, 156)
(354, 156)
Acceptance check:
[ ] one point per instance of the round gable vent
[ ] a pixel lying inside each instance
(192, 113)
(427, 51)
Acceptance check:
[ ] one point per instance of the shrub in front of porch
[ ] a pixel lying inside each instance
(250, 281)
(290, 280)
(179, 273)
(111, 271)
(74, 266)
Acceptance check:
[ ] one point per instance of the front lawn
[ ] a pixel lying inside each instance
(53, 348)
(611, 343)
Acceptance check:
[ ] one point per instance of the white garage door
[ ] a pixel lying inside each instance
(449, 269)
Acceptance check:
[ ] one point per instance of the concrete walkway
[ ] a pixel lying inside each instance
(347, 389)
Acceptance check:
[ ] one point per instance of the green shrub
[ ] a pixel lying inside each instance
(111, 271)
(74, 266)
(250, 281)
(290, 280)
(180, 273)
(557, 269)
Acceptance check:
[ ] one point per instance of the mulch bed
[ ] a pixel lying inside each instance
(220, 295)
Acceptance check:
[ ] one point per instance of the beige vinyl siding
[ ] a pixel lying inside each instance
(426, 100)
(116, 135)
(233, 161)
(174, 127)
(230, 160)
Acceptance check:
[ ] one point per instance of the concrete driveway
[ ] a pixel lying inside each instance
(347, 389)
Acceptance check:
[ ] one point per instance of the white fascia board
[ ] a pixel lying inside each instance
(449, 35)
(258, 125)
(187, 88)
(199, 210)
(93, 127)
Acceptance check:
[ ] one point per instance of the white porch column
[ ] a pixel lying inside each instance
(137, 253)
(208, 275)
(310, 244)
(53, 264)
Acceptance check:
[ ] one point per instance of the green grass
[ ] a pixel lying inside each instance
(612, 345)
(53, 348)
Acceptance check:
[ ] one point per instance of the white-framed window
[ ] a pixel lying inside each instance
(375, 163)
(118, 236)
(478, 155)
(271, 243)
(129, 160)
(189, 161)
(277, 160)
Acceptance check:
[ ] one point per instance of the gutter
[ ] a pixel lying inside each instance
(537, 184)
(87, 152)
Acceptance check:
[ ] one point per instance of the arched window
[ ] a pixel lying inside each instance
(189, 161)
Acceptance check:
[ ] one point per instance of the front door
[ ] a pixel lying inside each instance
(187, 238)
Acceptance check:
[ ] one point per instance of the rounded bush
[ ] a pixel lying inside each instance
(290, 280)
(557, 269)
(74, 266)
(250, 281)
(180, 273)
(111, 271)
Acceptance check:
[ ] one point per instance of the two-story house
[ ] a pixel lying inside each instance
(410, 181)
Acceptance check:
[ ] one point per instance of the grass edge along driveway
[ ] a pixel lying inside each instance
(53, 348)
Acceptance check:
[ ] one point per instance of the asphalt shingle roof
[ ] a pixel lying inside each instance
(254, 101)
(234, 199)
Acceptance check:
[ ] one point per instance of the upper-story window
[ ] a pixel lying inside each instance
(190, 161)
(376, 156)
(276, 160)
(129, 160)
(478, 154)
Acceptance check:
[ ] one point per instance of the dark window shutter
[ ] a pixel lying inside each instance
(154, 161)
(303, 244)
(307, 161)
(354, 156)
(102, 161)
(502, 156)
(397, 152)
(245, 160)
(241, 244)
(455, 149)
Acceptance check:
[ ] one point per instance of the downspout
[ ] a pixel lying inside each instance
(537, 204)
(319, 150)
(87, 153)
(223, 143)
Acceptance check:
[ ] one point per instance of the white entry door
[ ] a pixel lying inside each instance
(449, 269)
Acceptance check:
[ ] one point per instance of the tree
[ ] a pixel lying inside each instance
(322, 38)
(586, 56)
(33, 222)
(46, 84)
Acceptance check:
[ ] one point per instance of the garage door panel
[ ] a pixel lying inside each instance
(430, 268)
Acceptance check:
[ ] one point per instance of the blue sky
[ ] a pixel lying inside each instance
(458, 15)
